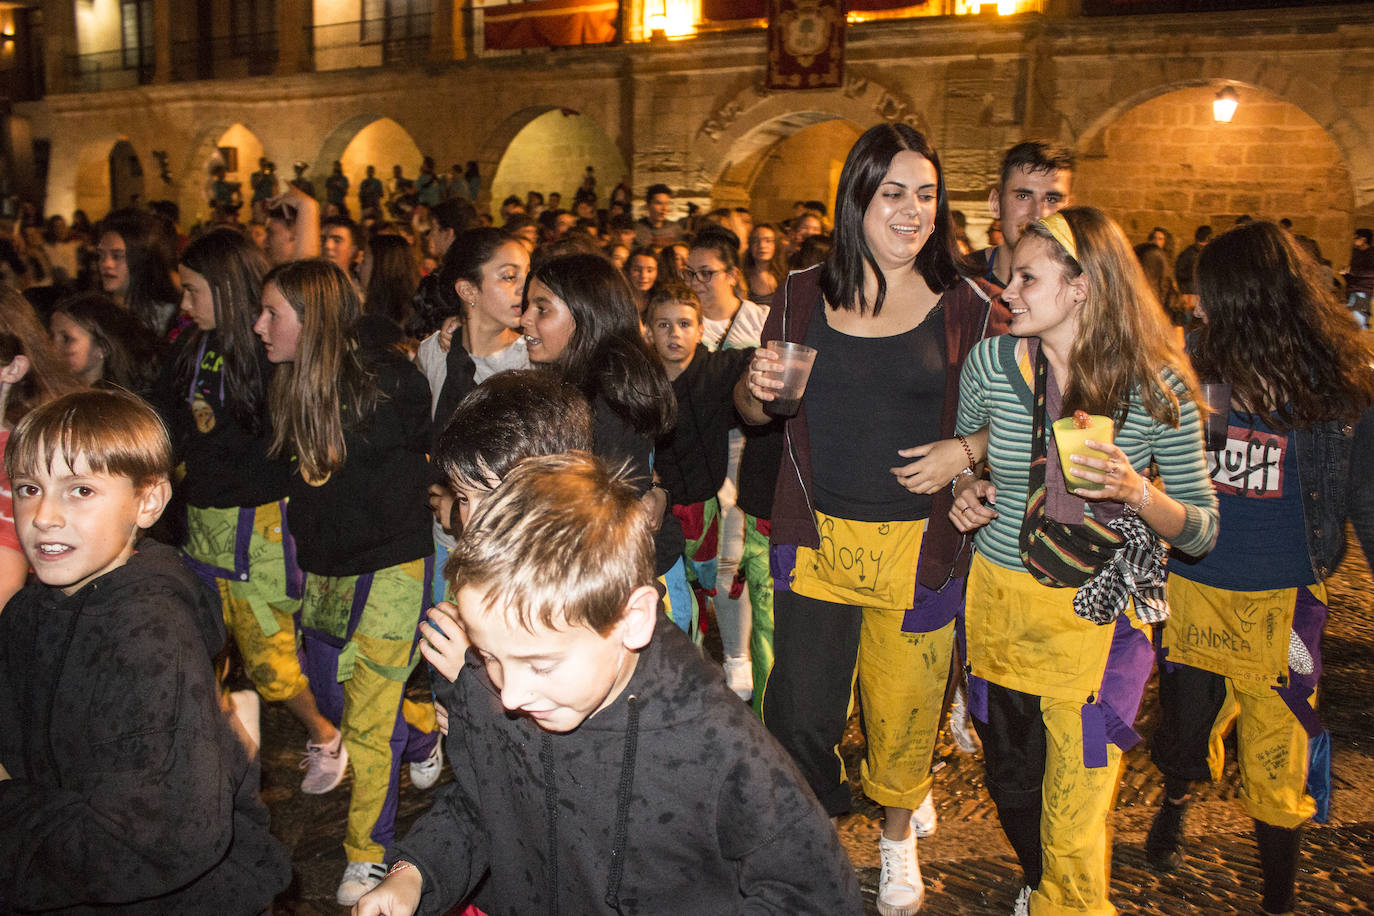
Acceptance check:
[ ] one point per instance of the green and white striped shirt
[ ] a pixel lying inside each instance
(994, 392)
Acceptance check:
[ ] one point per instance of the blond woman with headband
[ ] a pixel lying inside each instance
(1067, 576)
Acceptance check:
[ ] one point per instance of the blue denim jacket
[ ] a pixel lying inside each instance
(1336, 472)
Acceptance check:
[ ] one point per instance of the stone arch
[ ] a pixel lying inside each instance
(336, 147)
(497, 145)
(79, 177)
(730, 145)
(1158, 159)
(1278, 77)
(193, 182)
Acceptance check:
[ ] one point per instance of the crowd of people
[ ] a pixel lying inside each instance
(539, 455)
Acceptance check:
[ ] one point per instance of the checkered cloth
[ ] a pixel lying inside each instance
(1137, 571)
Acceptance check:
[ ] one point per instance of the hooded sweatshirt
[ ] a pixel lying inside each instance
(130, 792)
(673, 799)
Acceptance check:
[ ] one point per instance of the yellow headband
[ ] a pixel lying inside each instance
(1059, 228)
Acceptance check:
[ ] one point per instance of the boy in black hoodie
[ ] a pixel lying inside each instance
(122, 786)
(601, 765)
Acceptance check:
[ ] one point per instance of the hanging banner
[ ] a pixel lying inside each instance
(805, 44)
(549, 24)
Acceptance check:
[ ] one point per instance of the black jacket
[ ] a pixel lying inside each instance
(691, 459)
(674, 799)
(130, 792)
(370, 514)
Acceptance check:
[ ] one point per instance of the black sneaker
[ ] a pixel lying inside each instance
(1163, 842)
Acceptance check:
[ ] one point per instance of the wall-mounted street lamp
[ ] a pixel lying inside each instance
(1224, 105)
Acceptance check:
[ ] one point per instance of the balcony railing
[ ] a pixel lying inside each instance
(394, 41)
(225, 56)
(110, 70)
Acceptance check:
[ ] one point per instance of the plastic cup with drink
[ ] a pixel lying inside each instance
(1070, 434)
(796, 361)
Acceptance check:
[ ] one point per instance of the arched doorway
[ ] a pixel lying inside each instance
(801, 164)
(367, 140)
(1166, 162)
(551, 152)
(126, 176)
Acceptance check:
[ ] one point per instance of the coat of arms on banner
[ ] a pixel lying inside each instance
(805, 44)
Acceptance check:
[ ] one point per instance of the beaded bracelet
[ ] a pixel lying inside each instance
(1144, 498)
(400, 867)
(972, 462)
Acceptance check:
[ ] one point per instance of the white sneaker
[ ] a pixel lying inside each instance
(739, 676)
(923, 819)
(1022, 907)
(960, 726)
(425, 773)
(358, 879)
(900, 891)
(324, 766)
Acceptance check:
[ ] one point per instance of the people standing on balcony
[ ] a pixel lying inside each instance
(1058, 624)
(400, 194)
(137, 252)
(263, 183)
(654, 229)
(429, 190)
(1296, 463)
(1035, 180)
(336, 188)
(473, 177)
(370, 193)
(301, 182)
(865, 472)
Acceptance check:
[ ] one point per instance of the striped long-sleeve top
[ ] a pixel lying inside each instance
(996, 391)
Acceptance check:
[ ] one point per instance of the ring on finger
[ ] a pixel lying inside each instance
(1113, 469)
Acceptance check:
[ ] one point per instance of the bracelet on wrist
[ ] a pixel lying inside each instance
(972, 462)
(399, 867)
(954, 482)
(1144, 498)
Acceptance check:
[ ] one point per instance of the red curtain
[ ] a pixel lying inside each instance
(549, 23)
(726, 10)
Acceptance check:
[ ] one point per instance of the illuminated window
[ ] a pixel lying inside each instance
(673, 18)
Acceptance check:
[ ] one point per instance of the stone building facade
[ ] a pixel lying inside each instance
(1131, 94)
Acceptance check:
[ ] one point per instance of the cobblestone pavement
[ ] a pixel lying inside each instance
(967, 866)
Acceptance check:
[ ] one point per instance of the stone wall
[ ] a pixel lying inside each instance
(694, 114)
(1167, 163)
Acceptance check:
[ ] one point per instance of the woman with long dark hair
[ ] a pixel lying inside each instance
(1297, 461)
(580, 320)
(137, 254)
(765, 263)
(891, 319)
(213, 395)
(357, 422)
(1067, 578)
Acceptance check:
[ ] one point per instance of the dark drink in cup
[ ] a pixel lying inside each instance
(1217, 426)
(782, 407)
(796, 362)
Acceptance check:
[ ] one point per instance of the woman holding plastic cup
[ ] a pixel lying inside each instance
(1057, 613)
(1296, 460)
(864, 555)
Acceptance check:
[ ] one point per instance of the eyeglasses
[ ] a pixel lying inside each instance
(703, 276)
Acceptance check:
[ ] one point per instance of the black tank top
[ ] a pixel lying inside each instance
(868, 397)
